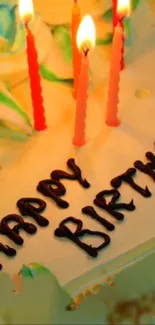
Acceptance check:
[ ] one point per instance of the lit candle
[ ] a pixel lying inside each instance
(26, 14)
(116, 60)
(76, 18)
(123, 10)
(85, 42)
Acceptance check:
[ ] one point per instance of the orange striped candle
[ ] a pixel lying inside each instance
(113, 92)
(85, 41)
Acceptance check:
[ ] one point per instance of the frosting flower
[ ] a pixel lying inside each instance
(7, 26)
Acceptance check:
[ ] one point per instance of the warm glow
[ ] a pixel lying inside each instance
(86, 34)
(26, 9)
(123, 8)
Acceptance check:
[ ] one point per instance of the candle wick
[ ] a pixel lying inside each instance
(85, 52)
(121, 18)
(27, 19)
(85, 49)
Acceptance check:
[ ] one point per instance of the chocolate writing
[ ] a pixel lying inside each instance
(127, 177)
(91, 212)
(13, 233)
(27, 207)
(8, 251)
(76, 174)
(149, 167)
(64, 232)
(112, 206)
(54, 189)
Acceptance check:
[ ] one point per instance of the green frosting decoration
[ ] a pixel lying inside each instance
(26, 272)
(127, 28)
(33, 269)
(7, 133)
(8, 101)
(134, 4)
(13, 120)
(107, 16)
(63, 39)
(11, 103)
(106, 41)
(50, 76)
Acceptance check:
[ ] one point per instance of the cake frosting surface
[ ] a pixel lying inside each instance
(108, 153)
(28, 159)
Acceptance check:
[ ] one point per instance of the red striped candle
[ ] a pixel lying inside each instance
(114, 11)
(123, 10)
(26, 14)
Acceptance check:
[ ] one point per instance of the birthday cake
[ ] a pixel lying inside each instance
(77, 221)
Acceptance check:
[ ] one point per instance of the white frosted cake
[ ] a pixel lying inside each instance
(77, 224)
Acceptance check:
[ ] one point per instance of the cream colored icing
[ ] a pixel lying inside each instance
(109, 152)
(59, 12)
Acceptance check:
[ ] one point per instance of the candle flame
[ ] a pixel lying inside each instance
(86, 34)
(123, 8)
(26, 10)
